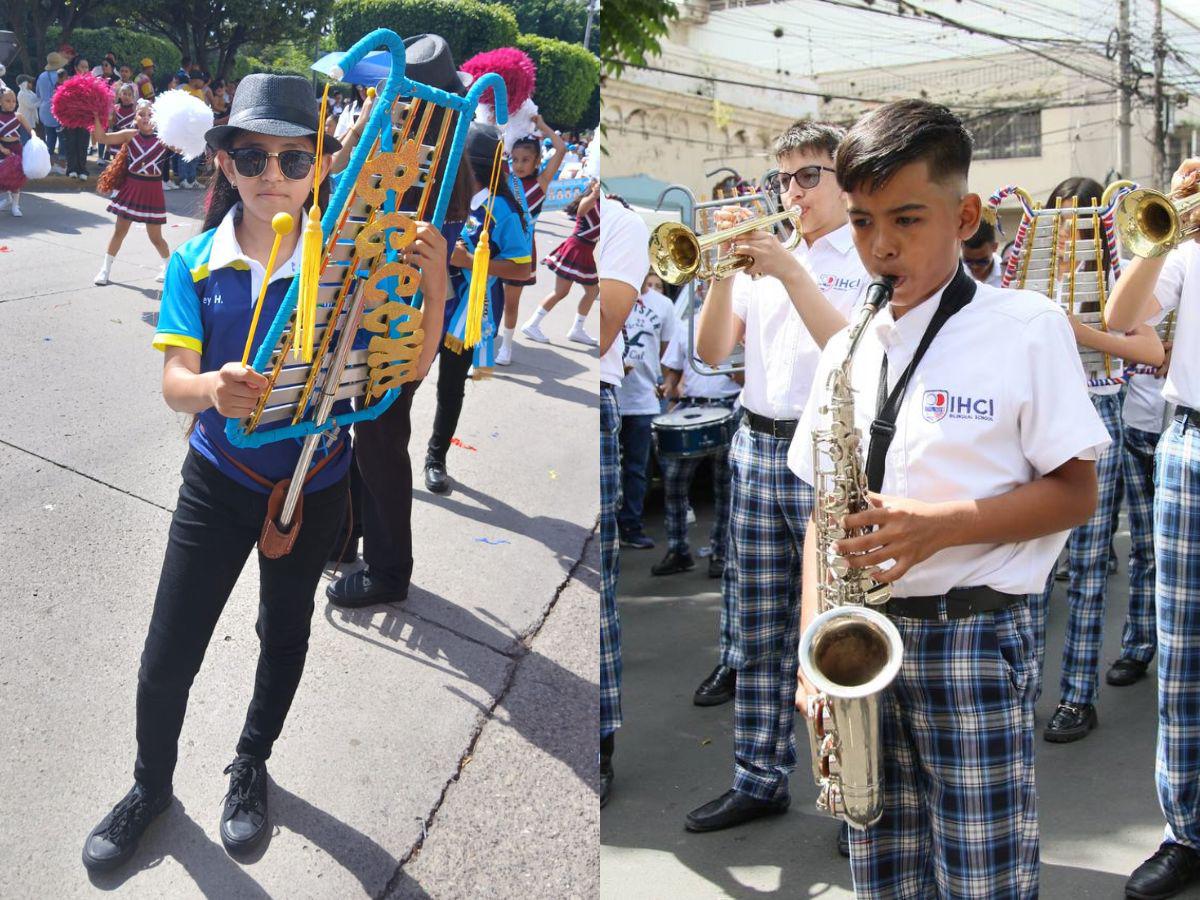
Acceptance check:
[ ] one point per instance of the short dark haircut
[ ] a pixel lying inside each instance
(1086, 191)
(986, 234)
(891, 137)
(808, 136)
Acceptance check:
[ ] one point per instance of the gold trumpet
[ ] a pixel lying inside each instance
(1152, 223)
(677, 252)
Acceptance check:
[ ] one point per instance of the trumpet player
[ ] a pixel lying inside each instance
(783, 318)
(1172, 282)
(981, 454)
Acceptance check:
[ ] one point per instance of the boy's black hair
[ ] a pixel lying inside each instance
(986, 234)
(808, 136)
(895, 135)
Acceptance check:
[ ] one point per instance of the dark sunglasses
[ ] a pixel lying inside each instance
(252, 162)
(807, 177)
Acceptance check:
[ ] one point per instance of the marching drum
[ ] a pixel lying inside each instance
(692, 431)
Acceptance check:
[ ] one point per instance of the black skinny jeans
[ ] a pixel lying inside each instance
(382, 488)
(451, 388)
(75, 146)
(213, 531)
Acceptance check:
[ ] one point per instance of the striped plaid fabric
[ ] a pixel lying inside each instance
(770, 511)
(960, 804)
(677, 482)
(1138, 638)
(1087, 551)
(1177, 549)
(610, 622)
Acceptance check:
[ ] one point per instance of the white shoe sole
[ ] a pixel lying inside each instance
(586, 339)
(100, 280)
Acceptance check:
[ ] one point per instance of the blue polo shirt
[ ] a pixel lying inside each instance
(509, 240)
(207, 302)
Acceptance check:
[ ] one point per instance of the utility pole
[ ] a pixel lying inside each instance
(1124, 116)
(592, 8)
(1160, 109)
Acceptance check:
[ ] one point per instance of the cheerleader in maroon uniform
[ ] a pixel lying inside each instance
(123, 114)
(12, 172)
(573, 261)
(136, 175)
(525, 158)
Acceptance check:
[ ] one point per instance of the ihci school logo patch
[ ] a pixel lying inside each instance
(837, 283)
(935, 405)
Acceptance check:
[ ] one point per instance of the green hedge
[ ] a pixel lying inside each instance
(565, 20)
(247, 65)
(129, 47)
(591, 116)
(469, 26)
(566, 79)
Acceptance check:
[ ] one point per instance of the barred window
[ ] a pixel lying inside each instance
(1008, 135)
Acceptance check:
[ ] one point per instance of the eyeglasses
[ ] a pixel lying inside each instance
(807, 177)
(252, 162)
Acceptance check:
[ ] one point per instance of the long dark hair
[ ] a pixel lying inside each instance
(1087, 191)
(482, 170)
(223, 196)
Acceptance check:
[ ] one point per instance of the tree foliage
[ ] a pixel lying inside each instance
(33, 19)
(468, 26)
(567, 76)
(632, 31)
(565, 20)
(127, 45)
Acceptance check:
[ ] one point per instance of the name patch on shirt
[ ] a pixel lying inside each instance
(839, 283)
(940, 404)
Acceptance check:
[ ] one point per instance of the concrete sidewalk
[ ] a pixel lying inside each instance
(1097, 804)
(441, 747)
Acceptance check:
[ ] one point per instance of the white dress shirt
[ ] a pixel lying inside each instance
(1178, 289)
(714, 387)
(622, 254)
(780, 353)
(997, 401)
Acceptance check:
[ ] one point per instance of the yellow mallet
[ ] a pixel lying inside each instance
(281, 223)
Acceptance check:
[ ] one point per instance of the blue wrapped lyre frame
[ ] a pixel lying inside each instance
(363, 235)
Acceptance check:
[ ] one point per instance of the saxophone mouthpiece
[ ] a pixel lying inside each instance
(879, 291)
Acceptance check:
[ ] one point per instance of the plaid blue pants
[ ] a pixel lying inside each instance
(677, 482)
(1087, 551)
(610, 622)
(1177, 550)
(960, 804)
(770, 511)
(1138, 638)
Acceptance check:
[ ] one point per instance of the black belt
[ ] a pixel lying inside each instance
(706, 401)
(777, 428)
(960, 603)
(1188, 416)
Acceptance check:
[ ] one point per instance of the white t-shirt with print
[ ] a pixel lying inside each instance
(997, 401)
(650, 325)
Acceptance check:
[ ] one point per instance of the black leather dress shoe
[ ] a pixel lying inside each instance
(844, 841)
(607, 745)
(1172, 868)
(244, 820)
(436, 479)
(673, 563)
(114, 840)
(1126, 671)
(733, 808)
(1070, 723)
(361, 588)
(716, 567)
(719, 687)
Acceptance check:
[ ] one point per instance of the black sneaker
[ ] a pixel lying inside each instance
(244, 821)
(638, 541)
(436, 479)
(113, 841)
(361, 588)
(673, 563)
(716, 567)
(1172, 868)
(607, 745)
(1070, 723)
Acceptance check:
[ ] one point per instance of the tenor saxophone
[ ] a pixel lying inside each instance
(849, 652)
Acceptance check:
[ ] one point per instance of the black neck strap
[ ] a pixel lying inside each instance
(958, 294)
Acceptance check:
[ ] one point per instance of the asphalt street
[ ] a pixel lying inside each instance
(1097, 805)
(442, 747)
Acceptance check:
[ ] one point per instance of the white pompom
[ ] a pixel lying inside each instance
(181, 121)
(520, 124)
(35, 158)
(485, 114)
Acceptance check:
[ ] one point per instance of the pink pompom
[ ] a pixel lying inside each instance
(514, 66)
(80, 99)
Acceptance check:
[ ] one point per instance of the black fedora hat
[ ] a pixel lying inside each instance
(427, 58)
(278, 105)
